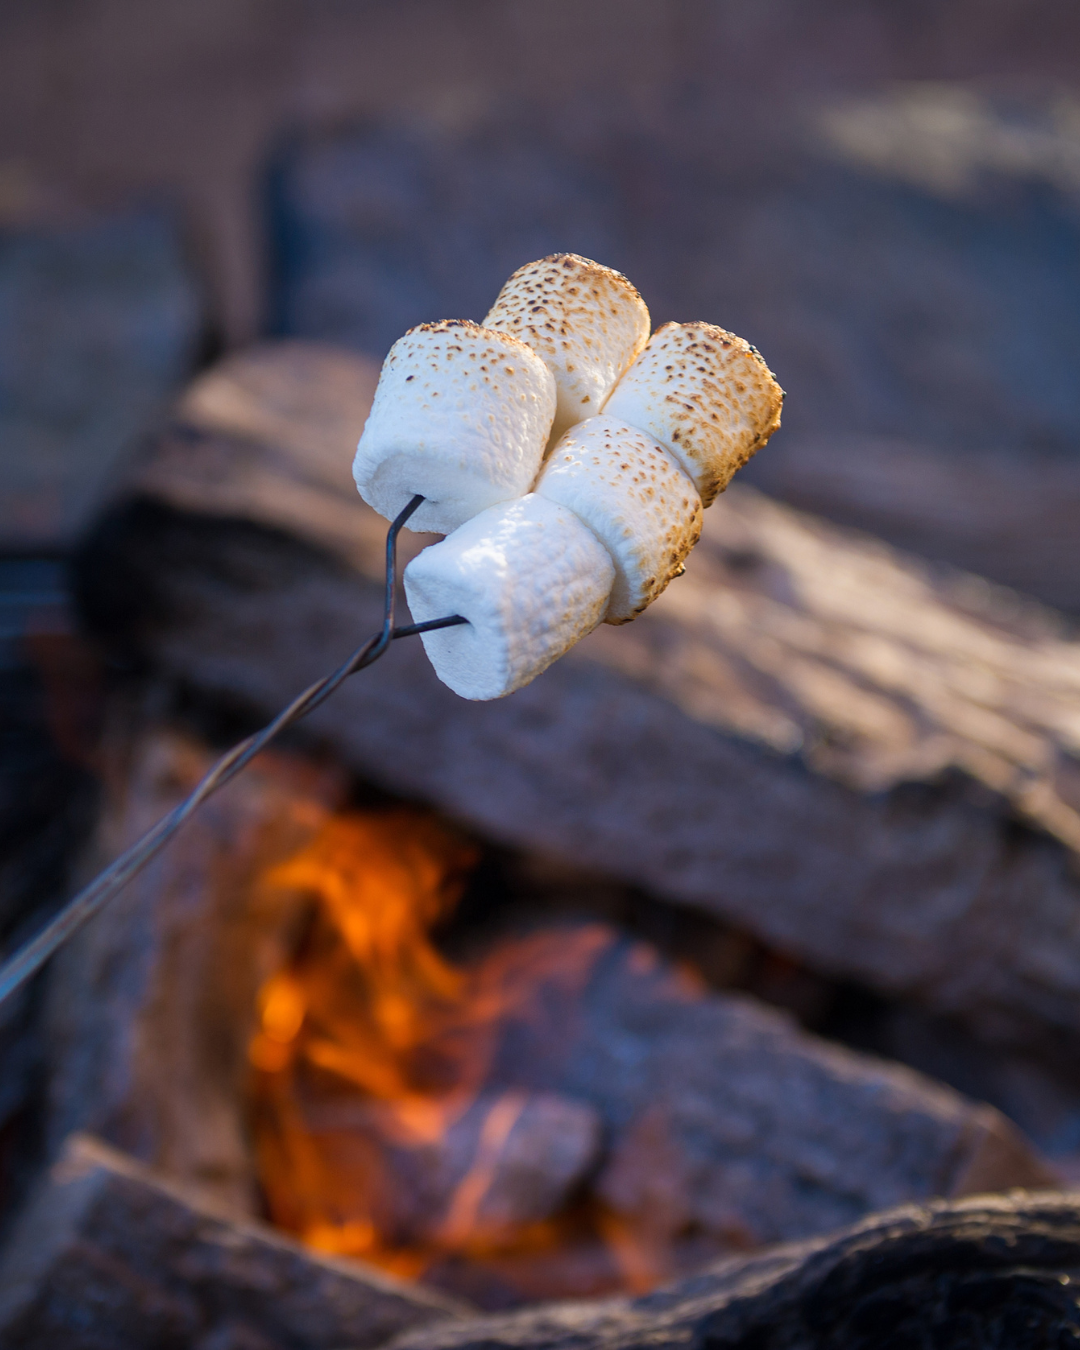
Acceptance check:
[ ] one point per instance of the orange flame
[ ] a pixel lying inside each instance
(371, 1049)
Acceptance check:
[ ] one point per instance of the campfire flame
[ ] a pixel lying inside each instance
(379, 1130)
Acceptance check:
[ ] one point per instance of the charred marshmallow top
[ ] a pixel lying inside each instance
(585, 321)
(706, 395)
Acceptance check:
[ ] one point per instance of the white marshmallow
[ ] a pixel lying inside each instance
(530, 578)
(705, 395)
(461, 415)
(585, 321)
(634, 497)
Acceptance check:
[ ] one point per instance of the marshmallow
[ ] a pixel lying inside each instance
(585, 322)
(704, 394)
(634, 497)
(461, 415)
(530, 578)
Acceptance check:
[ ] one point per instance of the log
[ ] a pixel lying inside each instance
(149, 1011)
(48, 810)
(984, 1273)
(1009, 517)
(111, 1255)
(763, 1132)
(867, 763)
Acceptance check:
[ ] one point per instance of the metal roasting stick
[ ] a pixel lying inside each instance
(33, 954)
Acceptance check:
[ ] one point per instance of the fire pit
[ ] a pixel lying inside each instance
(523, 1101)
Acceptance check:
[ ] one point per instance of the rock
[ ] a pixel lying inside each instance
(110, 1254)
(686, 1113)
(986, 1273)
(870, 765)
(99, 322)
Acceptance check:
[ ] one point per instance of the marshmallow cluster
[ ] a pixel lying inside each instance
(566, 454)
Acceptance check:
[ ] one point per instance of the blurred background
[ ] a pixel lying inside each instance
(882, 195)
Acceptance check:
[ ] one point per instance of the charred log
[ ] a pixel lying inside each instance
(112, 1254)
(109, 1254)
(987, 1273)
(699, 1117)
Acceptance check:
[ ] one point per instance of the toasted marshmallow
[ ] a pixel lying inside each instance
(462, 416)
(704, 394)
(634, 497)
(586, 322)
(531, 579)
